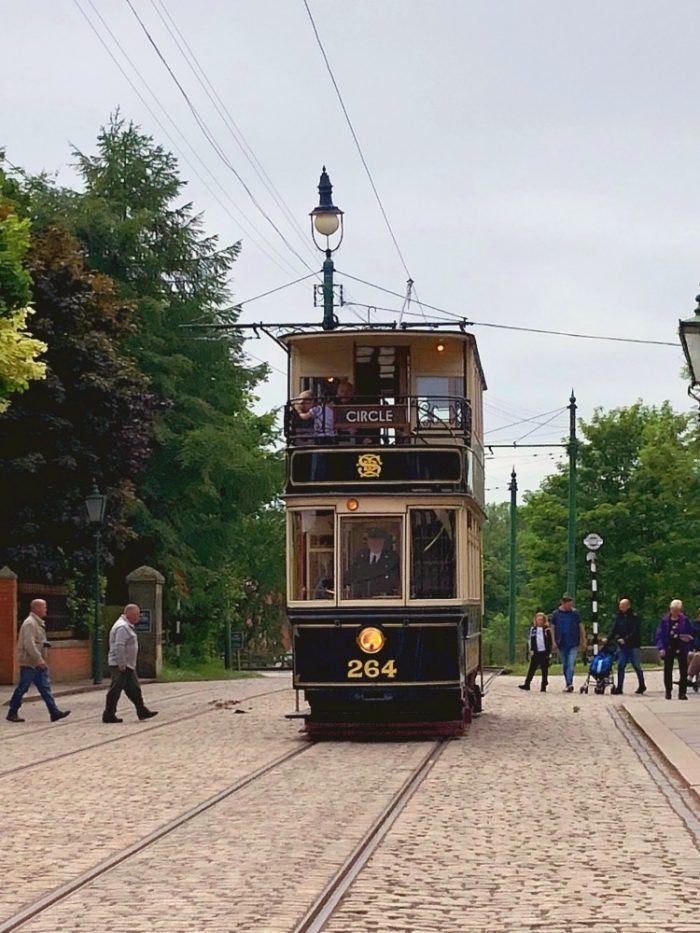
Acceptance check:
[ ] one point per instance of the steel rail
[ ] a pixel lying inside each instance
(26, 733)
(28, 912)
(129, 735)
(317, 915)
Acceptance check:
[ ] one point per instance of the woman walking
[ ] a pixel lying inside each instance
(674, 637)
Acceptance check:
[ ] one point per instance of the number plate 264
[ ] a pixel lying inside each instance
(371, 668)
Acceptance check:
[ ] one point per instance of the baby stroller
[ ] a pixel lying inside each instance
(600, 670)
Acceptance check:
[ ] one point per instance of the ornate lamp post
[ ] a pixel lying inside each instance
(325, 220)
(95, 504)
(689, 331)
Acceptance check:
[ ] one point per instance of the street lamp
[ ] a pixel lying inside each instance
(689, 332)
(95, 504)
(325, 220)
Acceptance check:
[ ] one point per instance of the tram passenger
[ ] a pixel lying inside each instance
(345, 397)
(301, 428)
(323, 416)
(375, 571)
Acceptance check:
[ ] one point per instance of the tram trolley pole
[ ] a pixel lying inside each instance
(593, 542)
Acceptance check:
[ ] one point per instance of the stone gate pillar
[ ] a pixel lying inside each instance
(146, 589)
(9, 669)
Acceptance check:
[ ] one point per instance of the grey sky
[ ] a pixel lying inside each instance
(537, 160)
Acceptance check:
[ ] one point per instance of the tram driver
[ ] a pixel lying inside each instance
(375, 570)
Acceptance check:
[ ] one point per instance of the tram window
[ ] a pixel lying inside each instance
(433, 554)
(313, 554)
(439, 399)
(370, 549)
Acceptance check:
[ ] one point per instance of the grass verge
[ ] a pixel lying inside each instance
(203, 670)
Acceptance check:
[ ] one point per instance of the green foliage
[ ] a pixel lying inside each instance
(638, 487)
(19, 351)
(90, 419)
(201, 497)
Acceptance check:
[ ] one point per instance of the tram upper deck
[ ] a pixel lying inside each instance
(385, 410)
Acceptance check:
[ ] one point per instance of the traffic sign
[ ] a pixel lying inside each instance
(593, 541)
(236, 640)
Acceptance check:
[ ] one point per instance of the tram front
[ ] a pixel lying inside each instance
(385, 506)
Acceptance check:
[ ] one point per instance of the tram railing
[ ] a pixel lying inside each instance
(382, 420)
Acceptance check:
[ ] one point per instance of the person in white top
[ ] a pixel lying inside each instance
(123, 652)
(540, 648)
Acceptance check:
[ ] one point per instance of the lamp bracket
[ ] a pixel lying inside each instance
(318, 296)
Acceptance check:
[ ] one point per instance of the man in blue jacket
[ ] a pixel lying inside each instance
(568, 635)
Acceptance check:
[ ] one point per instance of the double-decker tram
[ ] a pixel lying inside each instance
(385, 503)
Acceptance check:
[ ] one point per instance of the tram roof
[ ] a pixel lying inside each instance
(400, 336)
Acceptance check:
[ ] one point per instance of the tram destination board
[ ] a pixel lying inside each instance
(381, 466)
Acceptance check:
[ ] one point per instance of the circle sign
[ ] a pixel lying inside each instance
(593, 541)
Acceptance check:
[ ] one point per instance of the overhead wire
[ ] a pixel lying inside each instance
(168, 135)
(470, 323)
(224, 113)
(211, 139)
(502, 427)
(361, 153)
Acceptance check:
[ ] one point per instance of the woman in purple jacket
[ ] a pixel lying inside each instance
(674, 636)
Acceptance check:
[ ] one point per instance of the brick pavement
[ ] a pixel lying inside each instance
(488, 842)
(545, 819)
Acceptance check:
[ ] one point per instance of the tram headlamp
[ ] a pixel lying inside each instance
(352, 505)
(371, 640)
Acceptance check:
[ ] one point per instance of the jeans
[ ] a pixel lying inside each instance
(568, 659)
(127, 681)
(628, 656)
(40, 677)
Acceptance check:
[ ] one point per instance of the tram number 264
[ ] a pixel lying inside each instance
(371, 668)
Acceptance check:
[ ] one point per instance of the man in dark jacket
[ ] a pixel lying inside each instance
(627, 635)
(375, 571)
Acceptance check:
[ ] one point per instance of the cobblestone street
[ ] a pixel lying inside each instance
(542, 818)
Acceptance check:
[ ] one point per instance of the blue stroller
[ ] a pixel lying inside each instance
(600, 670)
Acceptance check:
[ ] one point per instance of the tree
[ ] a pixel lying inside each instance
(638, 487)
(91, 419)
(212, 467)
(19, 351)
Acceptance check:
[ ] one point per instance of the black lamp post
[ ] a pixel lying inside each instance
(325, 220)
(689, 331)
(95, 504)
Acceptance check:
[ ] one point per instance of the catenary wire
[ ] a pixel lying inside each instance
(502, 427)
(211, 139)
(538, 426)
(224, 112)
(167, 134)
(359, 148)
(530, 330)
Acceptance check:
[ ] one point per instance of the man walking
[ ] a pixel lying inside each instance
(33, 668)
(123, 651)
(568, 634)
(626, 634)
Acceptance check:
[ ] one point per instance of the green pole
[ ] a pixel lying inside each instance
(571, 545)
(513, 556)
(328, 268)
(227, 646)
(96, 641)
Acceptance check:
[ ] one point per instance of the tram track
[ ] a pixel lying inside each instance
(25, 733)
(129, 735)
(41, 905)
(323, 906)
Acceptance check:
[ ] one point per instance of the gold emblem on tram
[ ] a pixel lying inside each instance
(369, 465)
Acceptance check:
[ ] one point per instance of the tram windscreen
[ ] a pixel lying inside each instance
(312, 554)
(370, 550)
(433, 554)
